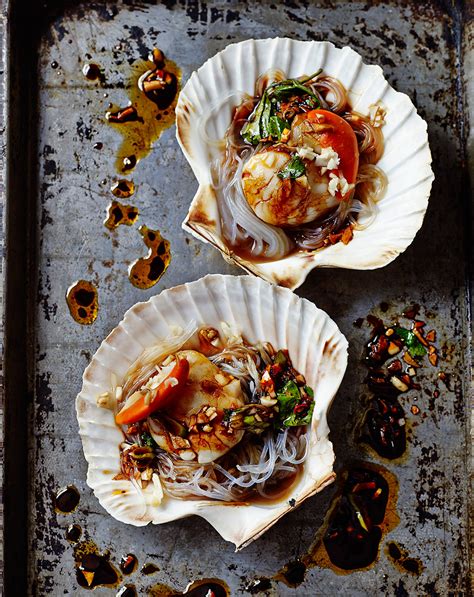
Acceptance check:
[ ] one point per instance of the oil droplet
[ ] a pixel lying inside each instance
(93, 569)
(73, 533)
(118, 213)
(98, 145)
(154, 102)
(66, 499)
(146, 271)
(123, 189)
(128, 563)
(149, 569)
(54, 64)
(83, 302)
(127, 591)
(92, 72)
(293, 574)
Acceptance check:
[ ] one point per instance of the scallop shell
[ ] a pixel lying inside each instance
(261, 312)
(406, 159)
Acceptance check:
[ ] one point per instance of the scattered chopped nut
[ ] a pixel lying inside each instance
(433, 359)
(410, 360)
(431, 336)
(389, 332)
(393, 349)
(398, 383)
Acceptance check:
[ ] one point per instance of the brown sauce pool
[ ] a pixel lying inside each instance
(122, 189)
(146, 271)
(73, 533)
(153, 109)
(83, 303)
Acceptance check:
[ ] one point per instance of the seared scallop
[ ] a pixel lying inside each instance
(285, 202)
(200, 408)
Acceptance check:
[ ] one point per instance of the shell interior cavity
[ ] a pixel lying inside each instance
(261, 312)
(206, 103)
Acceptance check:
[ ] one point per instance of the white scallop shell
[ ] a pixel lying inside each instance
(406, 160)
(261, 312)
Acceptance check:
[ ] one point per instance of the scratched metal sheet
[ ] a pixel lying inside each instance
(418, 46)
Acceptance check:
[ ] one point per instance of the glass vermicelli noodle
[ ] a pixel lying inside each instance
(207, 415)
(287, 181)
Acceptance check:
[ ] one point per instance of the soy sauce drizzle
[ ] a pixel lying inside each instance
(149, 569)
(146, 271)
(92, 71)
(73, 533)
(66, 499)
(197, 588)
(93, 569)
(362, 512)
(127, 591)
(153, 91)
(128, 563)
(119, 213)
(82, 300)
(400, 558)
(122, 189)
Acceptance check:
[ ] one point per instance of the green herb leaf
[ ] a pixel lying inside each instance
(293, 169)
(256, 127)
(276, 126)
(283, 89)
(288, 398)
(414, 346)
(147, 440)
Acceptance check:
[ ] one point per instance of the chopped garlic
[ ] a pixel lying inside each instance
(306, 153)
(118, 393)
(231, 332)
(338, 183)
(398, 383)
(104, 400)
(328, 159)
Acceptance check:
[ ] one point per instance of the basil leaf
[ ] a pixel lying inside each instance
(414, 346)
(257, 124)
(293, 169)
(282, 89)
(276, 126)
(288, 398)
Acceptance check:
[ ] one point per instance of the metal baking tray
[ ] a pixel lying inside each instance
(56, 199)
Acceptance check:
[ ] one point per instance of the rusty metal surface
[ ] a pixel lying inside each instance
(418, 45)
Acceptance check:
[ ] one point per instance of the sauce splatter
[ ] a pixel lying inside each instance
(119, 213)
(149, 569)
(83, 303)
(127, 591)
(362, 512)
(128, 563)
(153, 90)
(146, 271)
(123, 189)
(93, 569)
(198, 588)
(66, 499)
(400, 558)
(92, 71)
(73, 533)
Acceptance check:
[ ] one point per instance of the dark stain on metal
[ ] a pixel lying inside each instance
(146, 271)
(127, 591)
(93, 72)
